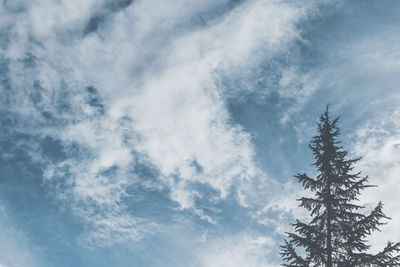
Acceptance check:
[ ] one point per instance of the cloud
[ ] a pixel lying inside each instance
(243, 249)
(378, 142)
(139, 83)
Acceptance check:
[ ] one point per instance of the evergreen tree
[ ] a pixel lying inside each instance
(337, 231)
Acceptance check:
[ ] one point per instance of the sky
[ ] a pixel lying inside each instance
(167, 133)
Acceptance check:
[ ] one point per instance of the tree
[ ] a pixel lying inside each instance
(336, 233)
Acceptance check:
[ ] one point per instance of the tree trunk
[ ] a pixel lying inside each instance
(328, 227)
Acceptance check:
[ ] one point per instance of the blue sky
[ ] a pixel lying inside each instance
(167, 133)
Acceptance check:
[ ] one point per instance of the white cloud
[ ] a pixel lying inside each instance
(240, 250)
(282, 207)
(378, 141)
(155, 77)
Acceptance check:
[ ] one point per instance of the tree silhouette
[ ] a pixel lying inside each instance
(337, 231)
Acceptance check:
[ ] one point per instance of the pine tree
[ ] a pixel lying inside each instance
(337, 231)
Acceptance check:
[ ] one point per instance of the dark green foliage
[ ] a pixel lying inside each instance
(337, 231)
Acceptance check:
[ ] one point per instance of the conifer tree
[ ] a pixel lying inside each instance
(337, 231)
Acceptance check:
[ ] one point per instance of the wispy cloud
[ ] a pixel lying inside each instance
(242, 249)
(120, 83)
(378, 141)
